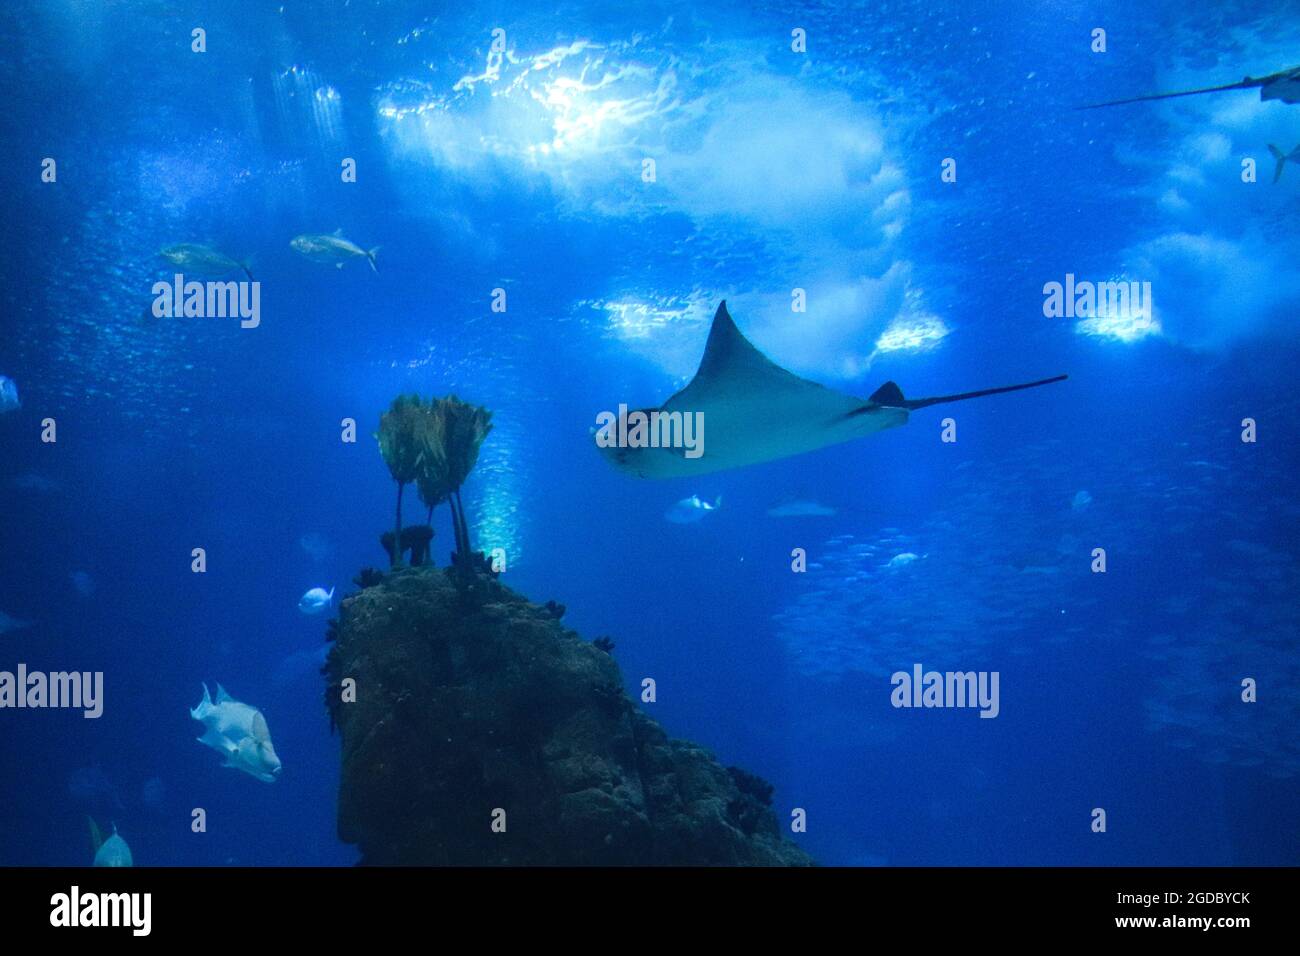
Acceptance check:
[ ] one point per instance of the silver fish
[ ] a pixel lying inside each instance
(332, 249)
(692, 509)
(192, 258)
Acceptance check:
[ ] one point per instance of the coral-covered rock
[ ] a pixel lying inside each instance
(471, 700)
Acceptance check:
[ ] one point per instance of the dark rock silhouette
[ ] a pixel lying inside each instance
(416, 539)
(472, 700)
(369, 577)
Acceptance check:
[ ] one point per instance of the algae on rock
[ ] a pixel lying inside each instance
(471, 700)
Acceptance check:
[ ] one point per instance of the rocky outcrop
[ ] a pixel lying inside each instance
(473, 704)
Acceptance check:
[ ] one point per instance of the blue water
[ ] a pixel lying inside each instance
(775, 170)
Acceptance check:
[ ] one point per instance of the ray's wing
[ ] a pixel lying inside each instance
(734, 376)
(751, 410)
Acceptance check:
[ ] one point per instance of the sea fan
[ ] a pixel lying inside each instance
(404, 443)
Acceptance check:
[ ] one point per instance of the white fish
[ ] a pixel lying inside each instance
(902, 560)
(203, 261)
(8, 395)
(332, 249)
(316, 600)
(239, 732)
(801, 509)
(113, 852)
(8, 623)
(692, 509)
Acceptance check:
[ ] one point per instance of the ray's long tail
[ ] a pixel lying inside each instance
(891, 395)
(1245, 84)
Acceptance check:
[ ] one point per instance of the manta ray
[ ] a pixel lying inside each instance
(755, 411)
(1283, 85)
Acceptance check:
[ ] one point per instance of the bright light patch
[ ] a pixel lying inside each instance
(587, 118)
(494, 508)
(540, 105)
(912, 335)
(1122, 327)
(1123, 311)
(637, 319)
(308, 106)
(579, 114)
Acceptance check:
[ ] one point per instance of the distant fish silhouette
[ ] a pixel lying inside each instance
(1283, 86)
(801, 509)
(153, 793)
(203, 261)
(692, 509)
(316, 545)
(8, 623)
(8, 395)
(91, 786)
(32, 481)
(300, 665)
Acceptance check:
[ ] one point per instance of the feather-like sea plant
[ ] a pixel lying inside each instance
(404, 443)
(432, 482)
(466, 427)
(453, 437)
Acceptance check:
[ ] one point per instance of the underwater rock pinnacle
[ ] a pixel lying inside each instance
(474, 706)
